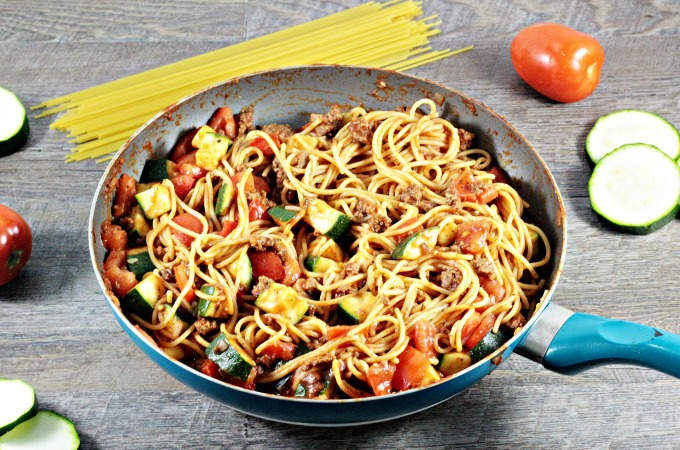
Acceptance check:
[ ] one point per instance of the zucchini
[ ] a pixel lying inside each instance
(281, 215)
(47, 430)
(225, 195)
(242, 269)
(139, 262)
(280, 299)
(416, 245)
(636, 188)
(19, 403)
(158, 170)
(205, 307)
(328, 248)
(489, 344)
(431, 376)
(451, 363)
(212, 149)
(140, 226)
(320, 264)
(14, 126)
(354, 308)
(325, 219)
(230, 357)
(142, 299)
(631, 126)
(154, 201)
(179, 323)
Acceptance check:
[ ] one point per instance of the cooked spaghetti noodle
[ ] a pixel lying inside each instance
(436, 268)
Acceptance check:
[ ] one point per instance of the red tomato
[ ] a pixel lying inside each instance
(257, 210)
(210, 368)
(493, 287)
(410, 370)
(470, 325)
(423, 338)
(280, 350)
(266, 264)
(227, 227)
(500, 175)
(126, 189)
(470, 189)
(400, 237)
(189, 222)
(183, 146)
(183, 184)
(223, 122)
(182, 279)
(559, 62)
(187, 165)
(260, 184)
(338, 331)
(115, 272)
(114, 237)
(380, 377)
(471, 236)
(293, 272)
(484, 327)
(262, 144)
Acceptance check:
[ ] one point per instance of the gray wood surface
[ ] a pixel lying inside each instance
(57, 333)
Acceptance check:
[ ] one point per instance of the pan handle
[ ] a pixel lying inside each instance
(568, 343)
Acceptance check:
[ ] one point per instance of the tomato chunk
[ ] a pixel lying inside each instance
(338, 331)
(125, 196)
(279, 350)
(268, 264)
(115, 271)
(469, 326)
(114, 237)
(210, 368)
(411, 369)
(223, 122)
(500, 176)
(493, 287)
(400, 237)
(261, 144)
(293, 272)
(183, 146)
(257, 210)
(423, 338)
(188, 166)
(471, 236)
(227, 227)
(182, 279)
(380, 377)
(183, 184)
(484, 327)
(248, 184)
(469, 188)
(191, 223)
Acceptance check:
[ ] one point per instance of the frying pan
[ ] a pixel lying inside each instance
(559, 339)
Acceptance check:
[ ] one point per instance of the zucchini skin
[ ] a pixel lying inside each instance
(17, 141)
(228, 358)
(489, 344)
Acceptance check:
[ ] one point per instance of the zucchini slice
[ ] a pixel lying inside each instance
(140, 227)
(283, 300)
(46, 430)
(139, 262)
(489, 344)
(19, 403)
(416, 245)
(14, 127)
(154, 201)
(326, 219)
(230, 357)
(142, 298)
(158, 170)
(225, 195)
(242, 269)
(281, 215)
(631, 126)
(204, 307)
(354, 308)
(636, 188)
(454, 362)
(320, 264)
(179, 323)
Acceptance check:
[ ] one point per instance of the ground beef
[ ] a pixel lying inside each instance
(450, 278)
(205, 326)
(351, 269)
(301, 160)
(378, 223)
(262, 284)
(330, 122)
(413, 195)
(516, 322)
(264, 243)
(245, 121)
(280, 173)
(284, 131)
(168, 275)
(361, 130)
(465, 138)
(364, 208)
(308, 285)
(484, 266)
(262, 197)
(126, 223)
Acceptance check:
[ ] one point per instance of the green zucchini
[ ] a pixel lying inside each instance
(454, 362)
(139, 262)
(354, 308)
(631, 126)
(47, 430)
(225, 195)
(205, 307)
(213, 147)
(179, 323)
(320, 264)
(140, 226)
(154, 201)
(230, 357)
(489, 344)
(242, 269)
(636, 188)
(325, 219)
(158, 170)
(14, 126)
(281, 215)
(416, 245)
(142, 299)
(19, 403)
(283, 300)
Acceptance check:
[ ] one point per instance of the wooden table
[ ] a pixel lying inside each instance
(57, 333)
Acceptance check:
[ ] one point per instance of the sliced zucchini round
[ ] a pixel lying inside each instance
(47, 430)
(636, 188)
(631, 126)
(19, 403)
(13, 123)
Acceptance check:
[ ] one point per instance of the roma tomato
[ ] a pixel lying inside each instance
(16, 243)
(191, 223)
(559, 62)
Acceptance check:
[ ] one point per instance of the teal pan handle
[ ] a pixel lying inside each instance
(568, 343)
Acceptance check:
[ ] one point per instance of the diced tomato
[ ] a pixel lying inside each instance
(411, 369)
(261, 185)
(223, 122)
(471, 236)
(183, 146)
(187, 165)
(183, 184)
(268, 264)
(191, 223)
(484, 327)
(279, 350)
(293, 272)
(500, 175)
(126, 189)
(182, 279)
(249, 184)
(115, 271)
(262, 144)
(470, 325)
(248, 384)
(493, 287)
(210, 368)
(257, 210)
(424, 336)
(380, 377)
(407, 222)
(227, 227)
(338, 331)
(469, 188)
(114, 237)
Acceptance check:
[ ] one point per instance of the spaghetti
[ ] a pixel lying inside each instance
(367, 253)
(388, 35)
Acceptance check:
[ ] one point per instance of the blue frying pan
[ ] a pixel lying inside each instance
(561, 340)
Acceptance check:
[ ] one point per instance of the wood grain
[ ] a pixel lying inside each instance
(57, 333)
